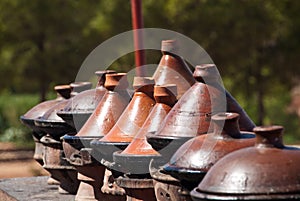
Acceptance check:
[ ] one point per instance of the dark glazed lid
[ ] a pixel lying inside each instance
(195, 157)
(63, 90)
(269, 170)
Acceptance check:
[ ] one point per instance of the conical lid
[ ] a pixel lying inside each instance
(109, 108)
(135, 113)
(41, 108)
(172, 69)
(81, 106)
(165, 97)
(269, 170)
(195, 157)
(190, 116)
(136, 157)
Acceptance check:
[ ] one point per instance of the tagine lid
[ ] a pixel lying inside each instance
(202, 152)
(269, 170)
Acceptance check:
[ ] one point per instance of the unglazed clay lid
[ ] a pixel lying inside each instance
(269, 170)
(116, 81)
(171, 46)
(206, 72)
(166, 94)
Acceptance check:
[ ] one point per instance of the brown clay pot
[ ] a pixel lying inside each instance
(77, 148)
(63, 92)
(136, 157)
(194, 158)
(52, 124)
(172, 69)
(130, 121)
(81, 106)
(191, 115)
(267, 171)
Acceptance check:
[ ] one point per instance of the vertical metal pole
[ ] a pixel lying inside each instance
(137, 23)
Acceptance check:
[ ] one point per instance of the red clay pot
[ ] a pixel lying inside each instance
(136, 157)
(172, 69)
(194, 158)
(191, 115)
(81, 106)
(130, 121)
(63, 92)
(77, 148)
(267, 171)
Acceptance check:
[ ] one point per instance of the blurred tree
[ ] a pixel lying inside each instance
(255, 44)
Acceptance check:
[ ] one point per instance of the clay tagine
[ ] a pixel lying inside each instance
(191, 115)
(134, 160)
(130, 121)
(136, 157)
(267, 171)
(77, 148)
(81, 106)
(53, 158)
(172, 69)
(194, 158)
(63, 92)
(54, 125)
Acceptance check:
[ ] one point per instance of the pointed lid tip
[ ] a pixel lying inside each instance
(142, 81)
(116, 79)
(206, 71)
(165, 90)
(268, 129)
(171, 46)
(225, 116)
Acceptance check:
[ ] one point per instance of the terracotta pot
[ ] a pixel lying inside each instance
(191, 115)
(103, 118)
(77, 148)
(63, 92)
(81, 106)
(129, 122)
(136, 157)
(52, 124)
(267, 171)
(172, 69)
(194, 158)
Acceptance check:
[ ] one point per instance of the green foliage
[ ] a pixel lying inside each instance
(255, 45)
(12, 106)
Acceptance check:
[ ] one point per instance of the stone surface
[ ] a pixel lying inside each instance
(30, 188)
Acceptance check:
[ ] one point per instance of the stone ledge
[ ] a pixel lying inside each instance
(31, 188)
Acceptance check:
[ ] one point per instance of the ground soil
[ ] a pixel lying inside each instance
(16, 162)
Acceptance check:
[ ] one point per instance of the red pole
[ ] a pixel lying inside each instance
(137, 23)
